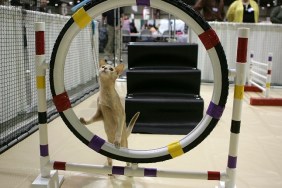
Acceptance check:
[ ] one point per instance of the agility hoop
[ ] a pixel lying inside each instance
(79, 20)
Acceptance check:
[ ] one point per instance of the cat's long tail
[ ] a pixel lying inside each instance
(131, 124)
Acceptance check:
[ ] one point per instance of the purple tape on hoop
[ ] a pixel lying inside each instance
(96, 143)
(143, 2)
(215, 111)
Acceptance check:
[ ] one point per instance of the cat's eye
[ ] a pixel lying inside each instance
(111, 69)
(103, 66)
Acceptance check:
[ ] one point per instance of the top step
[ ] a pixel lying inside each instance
(162, 54)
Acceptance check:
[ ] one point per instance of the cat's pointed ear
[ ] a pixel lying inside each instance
(119, 69)
(102, 62)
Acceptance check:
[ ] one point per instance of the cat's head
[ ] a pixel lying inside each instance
(108, 71)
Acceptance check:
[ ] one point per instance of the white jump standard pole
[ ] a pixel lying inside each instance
(47, 178)
(268, 77)
(240, 79)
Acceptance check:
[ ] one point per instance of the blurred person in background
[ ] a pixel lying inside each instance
(113, 19)
(276, 15)
(211, 10)
(246, 11)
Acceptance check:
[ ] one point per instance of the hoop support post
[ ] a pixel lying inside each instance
(240, 79)
(47, 178)
(41, 95)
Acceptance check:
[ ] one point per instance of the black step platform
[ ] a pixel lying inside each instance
(164, 114)
(182, 81)
(163, 84)
(162, 54)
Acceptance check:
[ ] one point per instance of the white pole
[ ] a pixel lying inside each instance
(250, 68)
(41, 95)
(240, 80)
(269, 71)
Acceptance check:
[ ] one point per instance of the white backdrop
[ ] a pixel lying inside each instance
(264, 38)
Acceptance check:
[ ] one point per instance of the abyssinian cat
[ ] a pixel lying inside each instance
(110, 109)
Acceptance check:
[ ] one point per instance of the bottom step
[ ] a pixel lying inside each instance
(164, 114)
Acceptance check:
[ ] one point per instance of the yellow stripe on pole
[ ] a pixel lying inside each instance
(239, 92)
(81, 18)
(40, 82)
(175, 149)
(267, 85)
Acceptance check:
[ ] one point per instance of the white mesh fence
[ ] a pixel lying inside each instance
(18, 97)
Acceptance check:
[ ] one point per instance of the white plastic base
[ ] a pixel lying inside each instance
(222, 185)
(54, 181)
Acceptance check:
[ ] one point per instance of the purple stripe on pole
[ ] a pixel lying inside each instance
(143, 2)
(232, 162)
(215, 111)
(44, 151)
(96, 143)
(118, 170)
(150, 172)
(269, 58)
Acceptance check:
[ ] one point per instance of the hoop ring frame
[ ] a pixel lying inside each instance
(79, 20)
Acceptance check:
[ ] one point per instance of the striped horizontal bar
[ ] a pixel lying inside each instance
(62, 102)
(209, 39)
(58, 165)
(215, 111)
(44, 150)
(96, 143)
(138, 172)
(42, 117)
(40, 82)
(143, 2)
(239, 92)
(235, 127)
(39, 43)
(213, 175)
(150, 172)
(242, 50)
(175, 149)
(232, 162)
(81, 18)
(118, 170)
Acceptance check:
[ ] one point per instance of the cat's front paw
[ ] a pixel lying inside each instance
(82, 120)
(117, 144)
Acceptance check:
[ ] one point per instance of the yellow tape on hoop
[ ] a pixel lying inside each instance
(175, 149)
(81, 18)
